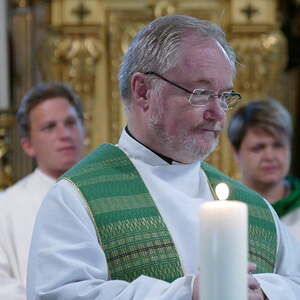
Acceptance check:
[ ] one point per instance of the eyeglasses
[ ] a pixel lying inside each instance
(201, 97)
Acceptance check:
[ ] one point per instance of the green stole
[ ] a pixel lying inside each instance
(130, 228)
(292, 201)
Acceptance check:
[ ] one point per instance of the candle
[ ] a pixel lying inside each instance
(223, 250)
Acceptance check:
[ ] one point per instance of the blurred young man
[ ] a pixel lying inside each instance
(50, 121)
(261, 134)
(128, 213)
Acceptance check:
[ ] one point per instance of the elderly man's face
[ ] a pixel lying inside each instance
(177, 129)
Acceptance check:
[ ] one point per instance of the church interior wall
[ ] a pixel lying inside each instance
(82, 42)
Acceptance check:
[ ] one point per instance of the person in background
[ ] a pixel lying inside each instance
(126, 216)
(261, 134)
(50, 121)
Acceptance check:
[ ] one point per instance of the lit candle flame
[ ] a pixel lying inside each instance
(222, 191)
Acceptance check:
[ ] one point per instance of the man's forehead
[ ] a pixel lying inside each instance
(51, 108)
(205, 59)
(203, 47)
(264, 130)
(50, 102)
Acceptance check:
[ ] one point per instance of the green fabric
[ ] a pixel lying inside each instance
(262, 230)
(131, 231)
(292, 201)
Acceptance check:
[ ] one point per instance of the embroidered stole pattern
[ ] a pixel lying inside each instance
(130, 228)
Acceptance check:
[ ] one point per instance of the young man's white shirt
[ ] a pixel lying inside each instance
(19, 205)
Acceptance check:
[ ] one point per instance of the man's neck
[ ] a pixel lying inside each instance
(51, 173)
(271, 192)
(165, 158)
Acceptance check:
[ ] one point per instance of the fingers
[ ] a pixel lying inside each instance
(256, 295)
(253, 283)
(196, 288)
(251, 267)
(254, 290)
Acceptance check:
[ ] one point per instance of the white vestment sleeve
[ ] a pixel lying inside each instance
(10, 287)
(66, 261)
(285, 284)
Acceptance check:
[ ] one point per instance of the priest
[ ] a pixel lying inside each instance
(123, 223)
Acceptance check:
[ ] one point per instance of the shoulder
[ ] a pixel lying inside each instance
(238, 191)
(215, 176)
(64, 201)
(104, 157)
(294, 182)
(20, 186)
(31, 188)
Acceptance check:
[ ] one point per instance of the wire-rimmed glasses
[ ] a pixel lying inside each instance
(201, 97)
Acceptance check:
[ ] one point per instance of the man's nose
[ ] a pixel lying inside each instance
(269, 153)
(214, 110)
(63, 131)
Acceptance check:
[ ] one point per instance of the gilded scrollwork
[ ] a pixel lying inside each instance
(71, 50)
(128, 34)
(121, 34)
(7, 120)
(20, 3)
(260, 47)
(74, 60)
(163, 8)
(262, 58)
(79, 56)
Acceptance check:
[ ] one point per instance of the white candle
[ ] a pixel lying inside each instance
(4, 86)
(223, 250)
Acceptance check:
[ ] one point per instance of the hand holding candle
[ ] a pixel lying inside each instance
(223, 249)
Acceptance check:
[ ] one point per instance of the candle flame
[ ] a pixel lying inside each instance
(222, 191)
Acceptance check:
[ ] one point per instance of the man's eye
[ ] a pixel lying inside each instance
(257, 148)
(70, 122)
(48, 127)
(278, 145)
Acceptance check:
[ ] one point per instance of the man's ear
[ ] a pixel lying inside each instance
(27, 146)
(140, 89)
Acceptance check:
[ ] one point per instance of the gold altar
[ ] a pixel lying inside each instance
(82, 41)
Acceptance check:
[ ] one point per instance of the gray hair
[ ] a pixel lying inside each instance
(41, 92)
(267, 114)
(155, 47)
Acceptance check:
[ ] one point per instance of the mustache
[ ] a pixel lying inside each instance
(213, 126)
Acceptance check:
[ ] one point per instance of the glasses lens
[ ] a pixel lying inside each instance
(199, 97)
(232, 99)
(202, 97)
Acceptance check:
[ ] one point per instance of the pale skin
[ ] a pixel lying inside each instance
(164, 121)
(56, 136)
(264, 161)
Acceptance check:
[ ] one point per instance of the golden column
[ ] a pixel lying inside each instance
(261, 50)
(85, 31)
(74, 48)
(7, 120)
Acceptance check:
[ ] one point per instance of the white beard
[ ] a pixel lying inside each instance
(182, 148)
